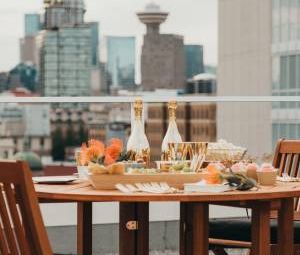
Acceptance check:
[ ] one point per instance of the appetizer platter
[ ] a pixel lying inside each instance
(184, 166)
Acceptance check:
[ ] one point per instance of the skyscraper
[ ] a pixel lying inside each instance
(121, 62)
(60, 13)
(28, 48)
(94, 26)
(244, 69)
(32, 24)
(286, 63)
(65, 50)
(193, 60)
(162, 62)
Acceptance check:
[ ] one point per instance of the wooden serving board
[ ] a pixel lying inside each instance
(176, 180)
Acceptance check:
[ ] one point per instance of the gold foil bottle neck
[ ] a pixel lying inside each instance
(138, 108)
(172, 106)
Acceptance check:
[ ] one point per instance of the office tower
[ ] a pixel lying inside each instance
(63, 13)
(32, 24)
(162, 61)
(193, 60)
(244, 69)
(65, 50)
(285, 68)
(3, 81)
(121, 62)
(28, 48)
(95, 42)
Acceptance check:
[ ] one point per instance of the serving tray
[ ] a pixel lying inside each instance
(175, 180)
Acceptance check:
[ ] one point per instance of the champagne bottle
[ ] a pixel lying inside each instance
(138, 145)
(172, 135)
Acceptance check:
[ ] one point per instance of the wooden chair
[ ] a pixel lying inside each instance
(236, 232)
(21, 225)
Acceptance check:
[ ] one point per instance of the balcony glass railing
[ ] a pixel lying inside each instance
(53, 127)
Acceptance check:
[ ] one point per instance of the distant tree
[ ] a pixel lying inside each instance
(70, 136)
(82, 135)
(58, 145)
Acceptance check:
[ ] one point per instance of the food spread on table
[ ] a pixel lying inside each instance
(188, 166)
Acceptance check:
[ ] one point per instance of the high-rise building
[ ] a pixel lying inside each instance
(60, 13)
(286, 65)
(65, 50)
(3, 81)
(162, 61)
(32, 24)
(121, 62)
(193, 60)
(95, 42)
(28, 48)
(244, 69)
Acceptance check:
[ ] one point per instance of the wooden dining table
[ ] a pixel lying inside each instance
(194, 215)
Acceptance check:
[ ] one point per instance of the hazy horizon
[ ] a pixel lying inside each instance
(195, 20)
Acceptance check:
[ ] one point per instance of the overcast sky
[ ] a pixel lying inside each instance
(196, 20)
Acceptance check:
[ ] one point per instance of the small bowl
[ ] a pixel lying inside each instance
(267, 178)
(164, 166)
(83, 172)
(251, 173)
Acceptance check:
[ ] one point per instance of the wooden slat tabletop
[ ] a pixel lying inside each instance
(84, 192)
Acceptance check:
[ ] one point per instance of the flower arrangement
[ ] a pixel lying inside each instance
(215, 175)
(95, 151)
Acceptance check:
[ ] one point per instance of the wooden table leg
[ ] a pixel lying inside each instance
(260, 229)
(134, 229)
(194, 223)
(84, 228)
(286, 227)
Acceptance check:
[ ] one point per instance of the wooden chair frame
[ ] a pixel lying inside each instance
(287, 160)
(22, 229)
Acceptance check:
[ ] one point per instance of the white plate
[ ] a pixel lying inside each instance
(54, 179)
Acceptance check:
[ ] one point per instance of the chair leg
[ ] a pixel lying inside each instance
(219, 251)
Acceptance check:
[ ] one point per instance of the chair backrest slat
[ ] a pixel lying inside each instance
(295, 167)
(282, 164)
(7, 224)
(287, 160)
(15, 215)
(22, 231)
(3, 242)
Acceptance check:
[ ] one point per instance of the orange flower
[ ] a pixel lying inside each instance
(83, 160)
(109, 160)
(117, 142)
(213, 175)
(113, 151)
(98, 147)
(95, 150)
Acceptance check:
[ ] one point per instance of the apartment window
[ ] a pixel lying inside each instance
(284, 71)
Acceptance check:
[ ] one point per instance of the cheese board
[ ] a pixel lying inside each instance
(175, 180)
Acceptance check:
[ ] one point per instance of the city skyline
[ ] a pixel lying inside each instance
(189, 19)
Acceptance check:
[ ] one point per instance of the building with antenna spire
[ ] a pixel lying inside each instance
(163, 60)
(66, 50)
